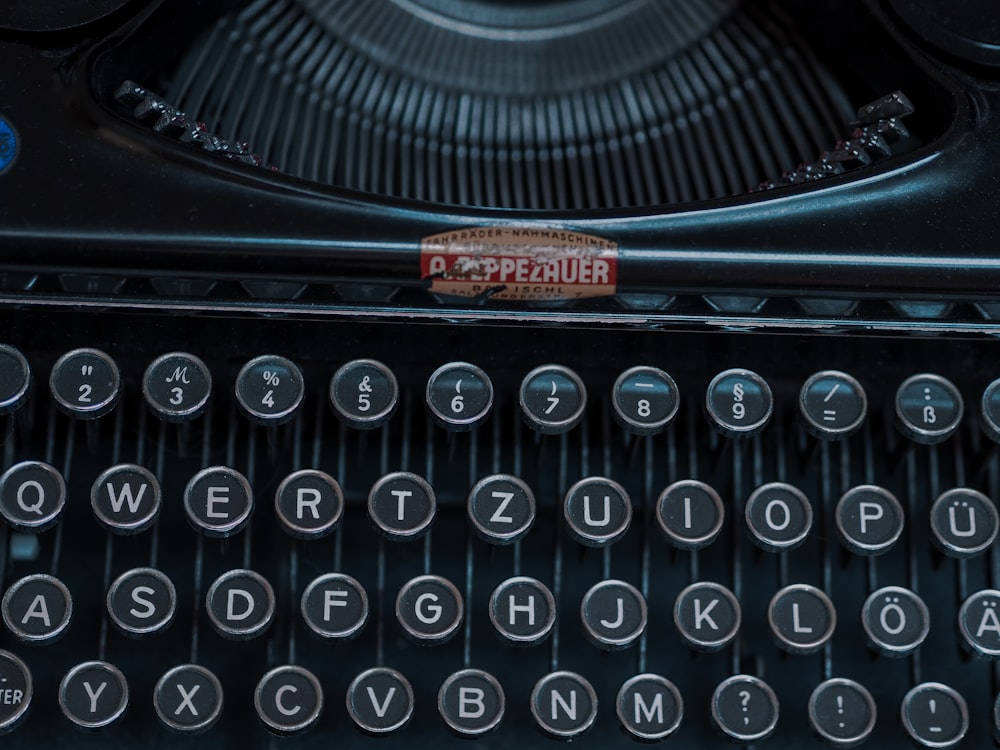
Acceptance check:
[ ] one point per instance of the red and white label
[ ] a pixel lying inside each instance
(519, 263)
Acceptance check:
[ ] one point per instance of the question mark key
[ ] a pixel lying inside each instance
(745, 708)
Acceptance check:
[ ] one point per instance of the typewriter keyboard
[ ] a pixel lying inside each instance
(252, 532)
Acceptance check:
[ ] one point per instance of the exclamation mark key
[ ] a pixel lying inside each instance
(935, 715)
(842, 712)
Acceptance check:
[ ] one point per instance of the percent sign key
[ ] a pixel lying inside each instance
(269, 389)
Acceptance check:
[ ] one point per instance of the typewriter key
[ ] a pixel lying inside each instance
(15, 690)
(288, 699)
(364, 394)
(650, 707)
(309, 504)
(928, 408)
(459, 396)
(597, 511)
(935, 715)
(93, 694)
(471, 702)
(335, 606)
(15, 379)
(802, 618)
(501, 508)
(553, 399)
(37, 608)
(240, 604)
(85, 383)
(32, 495)
(141, 602)
(430, 609)
(833, 405)
(126, 498)
(218, 501)
(745, 708)
(690, 514)
(380, 700)
(645, 400)
(613, 614)
(895, 620)
(842, 712)
(177, 387)
(739, 402)
(523, 611)
(990, 411)
(269, 389)
(707, 615)
(964, 522)
(979, 623)
(778, 516)
(188, 698)
(564, 704)
(402, 505)
(869, 520)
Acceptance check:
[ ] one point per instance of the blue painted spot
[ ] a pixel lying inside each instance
(8, 145)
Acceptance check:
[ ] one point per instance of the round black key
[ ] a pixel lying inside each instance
(218, 501)
(802, 618)
(85, 383)
(15, 690)
(177, 387)
(459, 396)
(650, 707)
(564, 704)
(37, 608)
(402, 505)
(935, 715)
(979, 623)
(895, 620)
(188, 698)
(32, 495)
(707, 615)
(288, 699)
(645, 400)
(364, 394)
(471, 702)
(240, 604)
(15, 379)
(739, 402)
(126, 498)
(335, 606)
(93, 694)
(690, 514)
(597, 511)
(745, 708)
(964, 522)
(842, 712)
(142, 602)
(523, 611)
(928, 408)
(380, 700)
(869, 520)
(269, 389)
(778, 516)
(501, 508)
(553, 399)
(995, 716)
(309, 504)
(613, 614)
(833, 405)
(430, 609)
(990, 410)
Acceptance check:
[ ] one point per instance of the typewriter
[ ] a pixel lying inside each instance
(412, 373)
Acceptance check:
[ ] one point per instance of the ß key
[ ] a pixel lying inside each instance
(364, 394)
(564, 704)
(935, 715)
(895, 620)
(380, 701)
(613, 614)
(177, 387)
(739, 403)
(471, 702)
(928, 408)
(842, 712)
(645, 400)
(269, 389)
(650, 707)
(964, 522)
(459, 396)
(523, 611)
(745, 708)
(690, 514)
(93, 694)
(833, 405)
(188, 699)
(85, 383)
(802, 618)
(553, 399)
(37, 608)
(288, 700)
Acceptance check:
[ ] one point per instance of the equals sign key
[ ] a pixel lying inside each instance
(829, 415)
